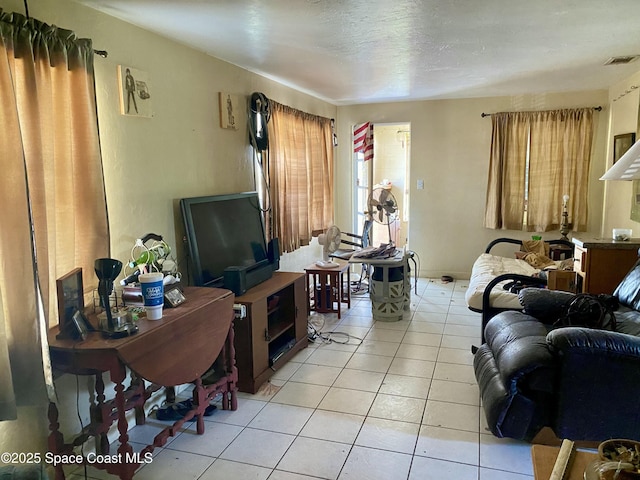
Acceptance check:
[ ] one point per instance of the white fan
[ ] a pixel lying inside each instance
(383, 207)
(330, 241)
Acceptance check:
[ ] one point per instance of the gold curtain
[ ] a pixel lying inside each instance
(558, 147)
(52, 199)
(559, 164)
(301, 175)
(507, 167)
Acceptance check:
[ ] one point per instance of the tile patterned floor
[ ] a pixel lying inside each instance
(386, 400)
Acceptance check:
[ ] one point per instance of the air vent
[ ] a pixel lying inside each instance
(621, 60)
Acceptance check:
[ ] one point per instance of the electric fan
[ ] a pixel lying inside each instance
(383, 207)
(330, 241)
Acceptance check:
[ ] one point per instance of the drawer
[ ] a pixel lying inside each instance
(580, 257)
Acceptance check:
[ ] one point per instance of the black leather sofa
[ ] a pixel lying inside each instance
(581, 382)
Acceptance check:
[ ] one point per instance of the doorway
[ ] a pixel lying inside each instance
(388, 171)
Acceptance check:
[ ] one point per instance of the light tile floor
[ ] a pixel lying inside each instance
(386, 400)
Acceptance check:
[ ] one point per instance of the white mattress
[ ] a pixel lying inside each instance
(486, 268)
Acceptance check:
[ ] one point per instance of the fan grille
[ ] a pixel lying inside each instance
(383, 206)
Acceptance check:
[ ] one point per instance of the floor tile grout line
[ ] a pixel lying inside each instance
(395, 356)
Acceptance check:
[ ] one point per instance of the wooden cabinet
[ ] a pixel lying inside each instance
(603, 263)
(274, 329)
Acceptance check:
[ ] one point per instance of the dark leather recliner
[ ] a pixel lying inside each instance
(583, 383)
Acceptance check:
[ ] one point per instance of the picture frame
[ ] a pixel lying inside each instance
(229, 110)
(79, 326)
(622, 143)
(135, 96)
(174, 297)
(70, 292)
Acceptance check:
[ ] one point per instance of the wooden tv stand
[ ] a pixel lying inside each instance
(274, 329)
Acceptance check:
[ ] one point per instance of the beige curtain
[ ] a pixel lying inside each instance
(301, 175)
(557, 145)
(507, 167)
(52, 199)
(559, 164)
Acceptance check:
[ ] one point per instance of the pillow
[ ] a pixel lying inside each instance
(545, 305)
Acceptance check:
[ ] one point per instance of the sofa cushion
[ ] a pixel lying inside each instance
(628, 321)
(628, 291)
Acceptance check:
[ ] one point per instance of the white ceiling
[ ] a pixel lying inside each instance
(363, 51)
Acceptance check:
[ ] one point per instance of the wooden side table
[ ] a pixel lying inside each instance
(544, 458)
(175, 350)
(603, 263)
(560, 252)
(326, 287)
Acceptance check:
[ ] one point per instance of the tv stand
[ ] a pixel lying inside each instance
(274, 330)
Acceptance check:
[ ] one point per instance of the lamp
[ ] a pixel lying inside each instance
(107, 269)
(627, 167)
(564, 225)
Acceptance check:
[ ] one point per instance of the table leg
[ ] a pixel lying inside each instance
(199, 399)
(100, 417)
(232, 371)
(56, 439)
(336, 290)
(126, 469)
(348, 293)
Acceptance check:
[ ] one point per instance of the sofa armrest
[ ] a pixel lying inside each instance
(522, 356)
(545, 305)
(587, 341)
(598, 383)
(516, 375)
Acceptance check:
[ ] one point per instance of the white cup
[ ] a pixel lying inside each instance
(152, 294)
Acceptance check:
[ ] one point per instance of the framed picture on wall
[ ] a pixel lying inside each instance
(230, 110)
(622, 143)
(135, 96)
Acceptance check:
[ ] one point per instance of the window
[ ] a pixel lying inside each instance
(536, 159)
(300, 175)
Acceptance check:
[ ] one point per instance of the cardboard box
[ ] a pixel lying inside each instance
(565, 280)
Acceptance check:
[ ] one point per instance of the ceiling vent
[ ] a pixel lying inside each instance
(621, 60)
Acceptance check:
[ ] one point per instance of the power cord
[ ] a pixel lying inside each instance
(415, 258)
(317, 336)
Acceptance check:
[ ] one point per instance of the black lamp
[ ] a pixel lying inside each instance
(107, 270)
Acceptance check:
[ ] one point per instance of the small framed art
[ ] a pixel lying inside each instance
(72, 323)
(135, 96)
(229, 110)
(622, 143)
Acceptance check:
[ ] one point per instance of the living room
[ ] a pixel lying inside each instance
(180, 151)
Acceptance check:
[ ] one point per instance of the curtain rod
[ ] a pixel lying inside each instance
(597, 109)
(100, 53)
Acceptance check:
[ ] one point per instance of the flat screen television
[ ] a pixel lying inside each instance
(223, 232)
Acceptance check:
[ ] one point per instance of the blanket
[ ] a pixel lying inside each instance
(535, 246)
(536, 254)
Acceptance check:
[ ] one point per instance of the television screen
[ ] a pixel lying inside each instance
(223, 231)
